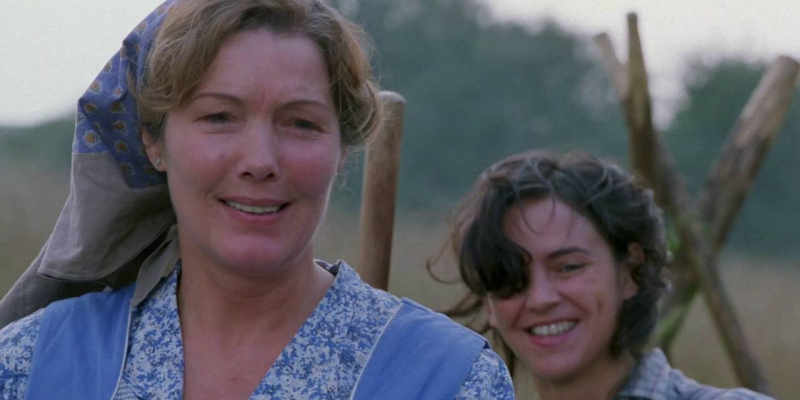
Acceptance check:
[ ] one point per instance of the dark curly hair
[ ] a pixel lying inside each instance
(620, 208)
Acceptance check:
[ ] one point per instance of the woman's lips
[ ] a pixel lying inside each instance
(257, 210)
(551, 333)
(554, 328)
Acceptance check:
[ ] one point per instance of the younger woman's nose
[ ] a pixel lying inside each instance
(542, 294)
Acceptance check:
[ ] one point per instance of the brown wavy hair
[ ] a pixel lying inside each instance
(194, 30)
(620, 208)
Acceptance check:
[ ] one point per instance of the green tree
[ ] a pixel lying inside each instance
(479, 90)
(46, 145)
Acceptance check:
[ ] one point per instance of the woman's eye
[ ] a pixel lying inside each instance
(217, 118)
(570, 267)
(305, 124)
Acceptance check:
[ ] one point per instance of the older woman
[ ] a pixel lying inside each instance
(565, 254)
(245, 109)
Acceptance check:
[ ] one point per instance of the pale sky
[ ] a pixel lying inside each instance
(673, 31)
(50, 50)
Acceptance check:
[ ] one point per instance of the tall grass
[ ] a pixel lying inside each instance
(765, 291)
(30, 202)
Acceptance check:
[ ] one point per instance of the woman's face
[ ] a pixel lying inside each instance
(561, 326)
(251, 155)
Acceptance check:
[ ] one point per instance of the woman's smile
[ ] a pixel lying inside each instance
(255, 214)
(552, 328)
(253, 209)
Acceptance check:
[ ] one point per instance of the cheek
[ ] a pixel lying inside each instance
(597, 296)
(318, 170)
(312, 171)
(505, 312)
(198, 168)
(194, 172)
(609, 298)
(192, 153)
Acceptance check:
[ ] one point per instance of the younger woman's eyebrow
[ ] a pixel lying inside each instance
(565, 251)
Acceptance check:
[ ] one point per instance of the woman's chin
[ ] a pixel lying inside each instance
(255, 259)
(554, 371)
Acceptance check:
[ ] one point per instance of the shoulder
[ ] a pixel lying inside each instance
(452, 344)
(399, 323)
(488, 379)
(687, 388)
(17, 341)
(354, 299)
(654, 378)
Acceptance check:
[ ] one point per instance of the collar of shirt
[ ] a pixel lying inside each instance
(650, 379)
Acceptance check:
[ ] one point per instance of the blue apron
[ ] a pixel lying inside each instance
(80, 352)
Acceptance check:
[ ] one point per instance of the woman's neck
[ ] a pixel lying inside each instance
(602, 381)
(234, 326)
(240, 309)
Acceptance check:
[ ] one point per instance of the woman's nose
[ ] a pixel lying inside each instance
(260, 153)
(542, 294)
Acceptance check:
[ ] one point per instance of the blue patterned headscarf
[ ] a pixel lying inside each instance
(106, 120)
(118, 211)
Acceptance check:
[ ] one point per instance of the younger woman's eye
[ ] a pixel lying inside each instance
(569, 267)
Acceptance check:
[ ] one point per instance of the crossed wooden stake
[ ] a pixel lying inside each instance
(702, 226)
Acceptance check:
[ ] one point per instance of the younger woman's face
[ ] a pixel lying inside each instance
(561, 326)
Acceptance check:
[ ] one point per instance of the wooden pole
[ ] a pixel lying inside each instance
(729, 182)
(653, 164)
(381, 165)
(617, 71)
(648, 158)
(697, 262)
(643, 138)
(736, 168)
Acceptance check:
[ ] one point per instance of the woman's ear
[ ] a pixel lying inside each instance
(635, 260)
(154, 147)
(490, 313)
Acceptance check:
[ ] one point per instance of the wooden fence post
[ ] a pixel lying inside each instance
(381, 165)
(726, 188)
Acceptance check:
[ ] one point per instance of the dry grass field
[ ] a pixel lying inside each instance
(765, 291)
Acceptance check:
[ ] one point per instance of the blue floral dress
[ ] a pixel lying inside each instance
(323, 360)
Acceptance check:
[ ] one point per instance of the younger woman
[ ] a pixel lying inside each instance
(565, 255)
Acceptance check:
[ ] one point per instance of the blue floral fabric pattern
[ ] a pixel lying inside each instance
(16, 351)
(154, 365)
(486, 380)
(323, 360)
